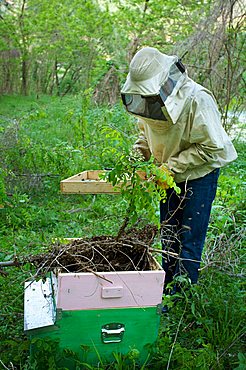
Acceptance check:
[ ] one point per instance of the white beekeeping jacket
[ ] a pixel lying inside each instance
(192, 140)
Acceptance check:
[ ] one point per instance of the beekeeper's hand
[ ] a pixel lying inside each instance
(164, 177)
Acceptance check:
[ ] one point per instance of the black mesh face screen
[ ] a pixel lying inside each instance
(144, 106)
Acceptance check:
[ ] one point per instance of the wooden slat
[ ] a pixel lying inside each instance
(94, 175)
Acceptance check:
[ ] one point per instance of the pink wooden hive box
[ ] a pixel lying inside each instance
(83, 291)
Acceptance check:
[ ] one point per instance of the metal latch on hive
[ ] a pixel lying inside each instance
(112, 333)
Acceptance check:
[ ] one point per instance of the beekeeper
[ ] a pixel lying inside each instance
(180, 127)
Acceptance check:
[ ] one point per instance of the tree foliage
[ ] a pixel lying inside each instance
(60, 47)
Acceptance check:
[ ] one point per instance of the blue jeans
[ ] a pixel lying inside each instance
(184, 222)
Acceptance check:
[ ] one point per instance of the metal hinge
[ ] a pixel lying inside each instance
(159, 309)
(58, 314)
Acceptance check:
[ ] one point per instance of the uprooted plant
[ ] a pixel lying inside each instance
(142, 184)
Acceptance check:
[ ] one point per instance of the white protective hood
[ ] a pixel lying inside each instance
(149, 70)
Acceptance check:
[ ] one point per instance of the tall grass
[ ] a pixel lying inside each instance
(45, 140)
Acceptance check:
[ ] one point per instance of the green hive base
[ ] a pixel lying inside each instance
(81, 332)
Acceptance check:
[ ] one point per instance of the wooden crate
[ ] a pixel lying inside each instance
(88, 182)
(117, 289)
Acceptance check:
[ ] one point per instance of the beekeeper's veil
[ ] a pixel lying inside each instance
(152, 84)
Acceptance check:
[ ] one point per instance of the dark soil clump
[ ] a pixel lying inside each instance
(99, 253)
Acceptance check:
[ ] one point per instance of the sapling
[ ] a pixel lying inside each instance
(142, 184)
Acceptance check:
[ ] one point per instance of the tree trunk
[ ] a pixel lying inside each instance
(24, 70)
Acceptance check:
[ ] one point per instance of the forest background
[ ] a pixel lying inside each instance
(62, 64)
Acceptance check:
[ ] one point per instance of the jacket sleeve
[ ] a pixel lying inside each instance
(141, 144)
(206, 135)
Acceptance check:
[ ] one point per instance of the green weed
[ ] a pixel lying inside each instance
(48, 139)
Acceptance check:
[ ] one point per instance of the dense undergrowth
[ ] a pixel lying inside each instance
(45, 140)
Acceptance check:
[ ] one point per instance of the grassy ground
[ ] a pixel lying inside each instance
(45, 140)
